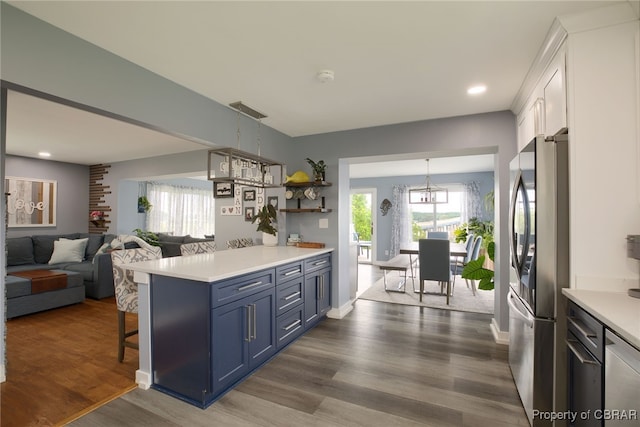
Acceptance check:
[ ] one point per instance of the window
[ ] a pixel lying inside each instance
(181, 210)
(438, 217)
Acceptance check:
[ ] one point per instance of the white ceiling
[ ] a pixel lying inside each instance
(394, 61)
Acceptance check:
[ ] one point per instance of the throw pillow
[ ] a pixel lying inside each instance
(68, 251)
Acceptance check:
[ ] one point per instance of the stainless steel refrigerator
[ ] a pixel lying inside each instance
(539, 240)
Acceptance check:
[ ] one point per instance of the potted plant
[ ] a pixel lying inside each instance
(319, 169)
(475, 270)
(143, 204)
(147, 236)
(266, 216)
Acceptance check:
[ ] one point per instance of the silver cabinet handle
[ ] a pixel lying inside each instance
(250, 285)
(293, 295)
(292, 272)
(319, 263)
(255, 326)
(248, 315)
(580, 354)
(582, 327)
(293, 325)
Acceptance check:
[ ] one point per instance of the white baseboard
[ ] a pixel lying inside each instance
(339, 313)
(500, 337)
(143, 379)
(3, 377)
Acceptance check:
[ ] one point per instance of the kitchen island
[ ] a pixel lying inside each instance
(208, 321)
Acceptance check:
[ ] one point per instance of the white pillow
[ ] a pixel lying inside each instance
(65, 250)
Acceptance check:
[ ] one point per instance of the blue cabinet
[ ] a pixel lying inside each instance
(317, 289)
(206, 337)
(243, 337)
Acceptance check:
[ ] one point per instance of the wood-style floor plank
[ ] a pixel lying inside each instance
(382, 365)
(63, 361)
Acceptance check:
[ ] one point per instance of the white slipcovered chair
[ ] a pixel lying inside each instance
(126, 290)
(196, 248)
(242, 242)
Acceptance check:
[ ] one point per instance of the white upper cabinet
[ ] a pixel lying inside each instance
(555, 95)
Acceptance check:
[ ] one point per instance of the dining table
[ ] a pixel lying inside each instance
(412, 248)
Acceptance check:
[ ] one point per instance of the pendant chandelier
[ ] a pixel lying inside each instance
(429, 194)
(234, 166)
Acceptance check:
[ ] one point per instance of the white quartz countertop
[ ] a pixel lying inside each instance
(225, 264)
(617, 310)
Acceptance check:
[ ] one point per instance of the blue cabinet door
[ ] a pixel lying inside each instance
(317, 296)
(230, 335)
(262, 343)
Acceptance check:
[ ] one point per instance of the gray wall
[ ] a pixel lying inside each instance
(384, 190)
(40, 56)
(72, 215)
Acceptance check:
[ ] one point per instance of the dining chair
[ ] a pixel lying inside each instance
(458, 263)
(438, 235)
(196, 248)
(435, 256)
(126, 290)
(475, 253)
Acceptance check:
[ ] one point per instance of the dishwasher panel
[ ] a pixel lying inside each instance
(622, 383)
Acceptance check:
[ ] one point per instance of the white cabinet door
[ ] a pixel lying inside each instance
(555, 95)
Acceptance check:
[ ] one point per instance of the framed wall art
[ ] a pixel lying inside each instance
(222, 190)
(31, 202)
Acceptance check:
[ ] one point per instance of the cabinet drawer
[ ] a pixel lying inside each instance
(288, 272)
(289, 326)
(586, 329)
(313, 264)
(289, 295)
(239, 287)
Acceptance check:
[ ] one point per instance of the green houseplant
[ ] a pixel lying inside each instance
(319, 169)
(266, 216)
(143, 204)
(475, 270)
(147, 236)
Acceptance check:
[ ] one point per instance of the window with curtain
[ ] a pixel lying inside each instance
(180, 210)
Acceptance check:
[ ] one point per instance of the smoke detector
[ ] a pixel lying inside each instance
(325, 76)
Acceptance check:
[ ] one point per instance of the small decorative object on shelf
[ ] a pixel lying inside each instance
(96, 215)
(298, 177)
(319, 169)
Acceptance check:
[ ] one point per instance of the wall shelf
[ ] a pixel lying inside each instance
(308, 184)
(299, 208)
(303, 210)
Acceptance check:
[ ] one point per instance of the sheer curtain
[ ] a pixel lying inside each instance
(472, 205)
(401, 219)
(180, 209)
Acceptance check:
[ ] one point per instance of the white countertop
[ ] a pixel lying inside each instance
(225, 264)
(617, 310)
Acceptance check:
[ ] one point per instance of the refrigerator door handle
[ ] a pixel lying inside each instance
(528, 318)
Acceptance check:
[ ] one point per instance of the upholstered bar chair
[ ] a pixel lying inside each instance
(196, 248)
(435, 257)
(242, 242)
(126, 290)
(458, 263)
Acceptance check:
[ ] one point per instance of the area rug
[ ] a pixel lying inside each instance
(462, 299)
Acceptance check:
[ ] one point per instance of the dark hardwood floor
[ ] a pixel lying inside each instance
(63, 362)
(382, 365)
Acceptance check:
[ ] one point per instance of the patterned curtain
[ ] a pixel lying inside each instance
(401, 219)
(472, 206)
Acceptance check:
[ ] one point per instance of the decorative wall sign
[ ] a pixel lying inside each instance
(31, 203)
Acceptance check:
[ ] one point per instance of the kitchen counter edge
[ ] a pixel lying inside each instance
(616, 310)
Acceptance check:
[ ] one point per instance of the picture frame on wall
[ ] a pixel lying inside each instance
(31, 202)
(273, 201)
(222, 190)
(249, 195)
(249, 213)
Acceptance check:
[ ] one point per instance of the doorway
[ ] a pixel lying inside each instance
(363, 226)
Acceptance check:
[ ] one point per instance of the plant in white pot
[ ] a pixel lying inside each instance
(266, 216)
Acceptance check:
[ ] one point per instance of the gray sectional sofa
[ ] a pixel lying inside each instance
(34, 253)
(170, 244)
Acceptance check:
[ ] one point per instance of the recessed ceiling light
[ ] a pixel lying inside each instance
(475, 90)
(44, 154)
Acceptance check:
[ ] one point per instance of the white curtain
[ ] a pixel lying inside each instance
(472, 204)
(181, 210)
(401, 219)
